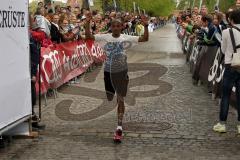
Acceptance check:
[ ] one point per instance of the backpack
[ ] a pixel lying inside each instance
(236, 54)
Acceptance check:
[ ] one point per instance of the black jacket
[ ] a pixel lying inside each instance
(55, 34)
(35, 51)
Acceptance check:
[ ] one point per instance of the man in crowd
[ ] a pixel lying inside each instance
(195, 10)
(231, 76)
(204, 10)
(55, 32)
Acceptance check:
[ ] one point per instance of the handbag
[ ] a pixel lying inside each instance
(236, 54)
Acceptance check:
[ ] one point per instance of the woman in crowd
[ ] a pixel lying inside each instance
(218, 22)
(66, 33)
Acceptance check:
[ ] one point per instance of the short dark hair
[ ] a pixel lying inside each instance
(40, 3)
(228, 16)
(116, 21)
(235, 16)
(38, 11)
(219, 16)
(188, 15)
(56, 7)
(207, 18)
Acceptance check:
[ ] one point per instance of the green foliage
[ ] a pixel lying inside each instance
(159, 7)
(33, 7)
(154, 7)
(224, 4)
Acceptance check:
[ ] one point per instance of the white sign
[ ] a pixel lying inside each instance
(15, 84)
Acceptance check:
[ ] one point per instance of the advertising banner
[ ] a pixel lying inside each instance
(15, 86)
(65, 61)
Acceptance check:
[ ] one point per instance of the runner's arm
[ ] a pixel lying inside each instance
(145, 36)
(88, 34)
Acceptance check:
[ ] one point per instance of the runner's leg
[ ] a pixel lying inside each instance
(121, 109)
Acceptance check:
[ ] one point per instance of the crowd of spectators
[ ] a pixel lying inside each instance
(63, 24)
(207, 32)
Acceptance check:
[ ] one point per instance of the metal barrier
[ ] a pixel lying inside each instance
(206, 64)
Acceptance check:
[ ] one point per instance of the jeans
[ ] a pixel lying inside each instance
(231, 78)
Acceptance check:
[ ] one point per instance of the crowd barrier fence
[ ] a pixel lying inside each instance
(205, 63)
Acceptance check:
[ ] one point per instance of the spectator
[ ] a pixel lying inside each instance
(40, 4)
(209, 38)
(34, 57)
(55, 30)
(139, 29)
(66, 33)
(151, 26)
(57, 9)
(41, 21)
(77, 12)
(195, 10)
(231, 76)
(218, 22)
(72, 22)
(204, 10)
(63, 10)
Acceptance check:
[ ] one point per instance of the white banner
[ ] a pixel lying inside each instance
(15, 84)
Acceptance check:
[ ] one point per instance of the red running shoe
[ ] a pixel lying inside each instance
(118, 136)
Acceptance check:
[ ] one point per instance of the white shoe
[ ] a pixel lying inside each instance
(221, 128)
(238, 128)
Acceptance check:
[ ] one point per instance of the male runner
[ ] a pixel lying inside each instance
(115, 67)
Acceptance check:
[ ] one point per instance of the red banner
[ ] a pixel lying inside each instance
(63, 62)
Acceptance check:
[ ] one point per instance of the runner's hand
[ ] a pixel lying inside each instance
(144, 20)
(88, 16)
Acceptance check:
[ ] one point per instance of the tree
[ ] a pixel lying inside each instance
(224, 4)
(154, 7)
(33, 7)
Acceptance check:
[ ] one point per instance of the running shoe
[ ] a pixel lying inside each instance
(238, 129)
(118, 136)
(221, 128)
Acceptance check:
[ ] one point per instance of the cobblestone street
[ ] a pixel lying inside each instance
(167, 118)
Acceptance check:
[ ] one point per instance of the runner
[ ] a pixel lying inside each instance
(116, 68)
